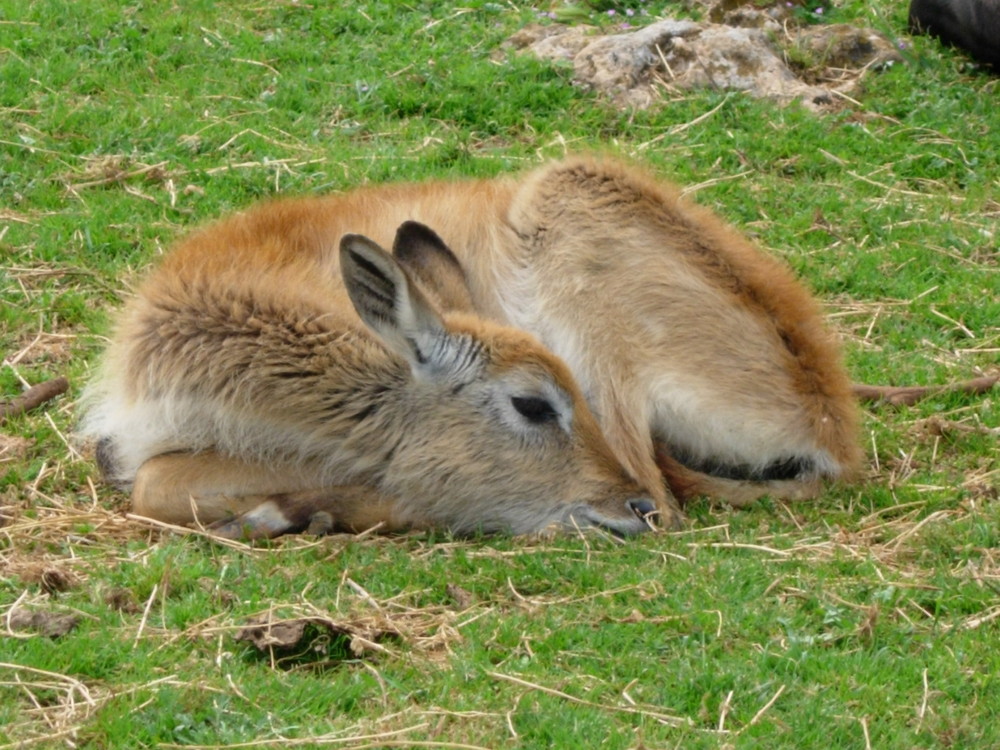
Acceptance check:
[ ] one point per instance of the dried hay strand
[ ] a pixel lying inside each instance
(363, 741)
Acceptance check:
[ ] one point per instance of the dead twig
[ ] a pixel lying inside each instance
(666, 719)
(115, 174)
(33, 398)
(763, 710)
(909, 395)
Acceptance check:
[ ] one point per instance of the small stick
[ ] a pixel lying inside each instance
(923, 703)
(145, 616)
(662, 718)
(120, 176)
(909, 395)
(765, 707)
(33, 397)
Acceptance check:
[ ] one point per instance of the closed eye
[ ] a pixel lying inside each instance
(536, 410)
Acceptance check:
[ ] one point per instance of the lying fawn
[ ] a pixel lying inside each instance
(263, 381)
(705, 362)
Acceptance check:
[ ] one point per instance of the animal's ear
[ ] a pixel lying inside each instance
(395, 309)
(431, 262)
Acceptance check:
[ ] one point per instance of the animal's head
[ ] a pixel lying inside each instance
(496, 435)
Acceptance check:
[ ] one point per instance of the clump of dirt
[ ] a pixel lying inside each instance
(743, 47)
(40, 622)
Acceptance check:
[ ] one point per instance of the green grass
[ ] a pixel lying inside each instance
(865, 619)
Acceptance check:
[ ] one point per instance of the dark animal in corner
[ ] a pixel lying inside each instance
(971, 25)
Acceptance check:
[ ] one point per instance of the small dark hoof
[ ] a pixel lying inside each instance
(320, 523)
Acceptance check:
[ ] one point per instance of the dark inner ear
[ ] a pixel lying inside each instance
(419, 246)
(386, 300)
(433, 265)
(379, 298)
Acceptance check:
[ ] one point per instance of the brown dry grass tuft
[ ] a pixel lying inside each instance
(60, 705)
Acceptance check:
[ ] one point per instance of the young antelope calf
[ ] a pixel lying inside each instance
(264, 381)
(705, 362)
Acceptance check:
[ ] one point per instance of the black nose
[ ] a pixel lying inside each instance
(643, 507)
